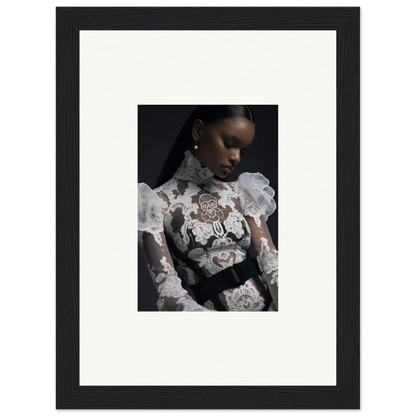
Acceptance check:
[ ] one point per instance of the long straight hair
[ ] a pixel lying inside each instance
(209, 114)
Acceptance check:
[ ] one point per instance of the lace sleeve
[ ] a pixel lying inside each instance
(263, 249)
(172, 296)
(257, 203)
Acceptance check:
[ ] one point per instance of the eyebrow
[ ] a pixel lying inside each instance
(236, 138)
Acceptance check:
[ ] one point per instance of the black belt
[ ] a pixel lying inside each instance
(228, 278)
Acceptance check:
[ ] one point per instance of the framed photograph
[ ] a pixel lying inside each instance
(127, 80)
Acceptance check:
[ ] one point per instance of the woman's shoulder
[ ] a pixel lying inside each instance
(145, 191)
(151, 207)
(253, 181)
(255, 187)
(154, 199)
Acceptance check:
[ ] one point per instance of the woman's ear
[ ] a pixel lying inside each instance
(197, 129)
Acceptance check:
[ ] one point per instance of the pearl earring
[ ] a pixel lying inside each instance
(196, 147)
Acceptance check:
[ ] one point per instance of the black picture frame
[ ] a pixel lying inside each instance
(346, 22)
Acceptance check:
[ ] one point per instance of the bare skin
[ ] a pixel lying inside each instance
(222, 143)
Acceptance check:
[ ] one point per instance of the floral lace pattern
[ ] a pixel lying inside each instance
(244, 298)
(216, 225)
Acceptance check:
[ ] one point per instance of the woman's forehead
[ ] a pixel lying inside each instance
(240, 127)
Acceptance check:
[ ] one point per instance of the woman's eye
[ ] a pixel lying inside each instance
(229, 146)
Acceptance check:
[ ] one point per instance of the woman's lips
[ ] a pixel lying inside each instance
(229, 170)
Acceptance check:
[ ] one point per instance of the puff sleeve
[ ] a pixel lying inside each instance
(257, 203)
(151, 211)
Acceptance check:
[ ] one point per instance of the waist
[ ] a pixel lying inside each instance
(228, 278)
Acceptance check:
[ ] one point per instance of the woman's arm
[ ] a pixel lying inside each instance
(172, 296)
(263, 249)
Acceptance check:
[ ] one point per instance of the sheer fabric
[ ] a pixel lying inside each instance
(215, 225)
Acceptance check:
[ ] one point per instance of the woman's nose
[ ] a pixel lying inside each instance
(235, 157)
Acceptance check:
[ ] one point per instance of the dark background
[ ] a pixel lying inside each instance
(158, 127)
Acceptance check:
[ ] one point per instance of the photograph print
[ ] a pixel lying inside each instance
(207, 185)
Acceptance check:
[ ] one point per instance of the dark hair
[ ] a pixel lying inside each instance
(209, 114)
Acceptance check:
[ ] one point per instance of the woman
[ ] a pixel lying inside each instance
(205, 239)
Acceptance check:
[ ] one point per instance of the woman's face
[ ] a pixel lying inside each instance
(222, 143)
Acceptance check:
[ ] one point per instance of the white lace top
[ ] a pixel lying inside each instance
(215, 224)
